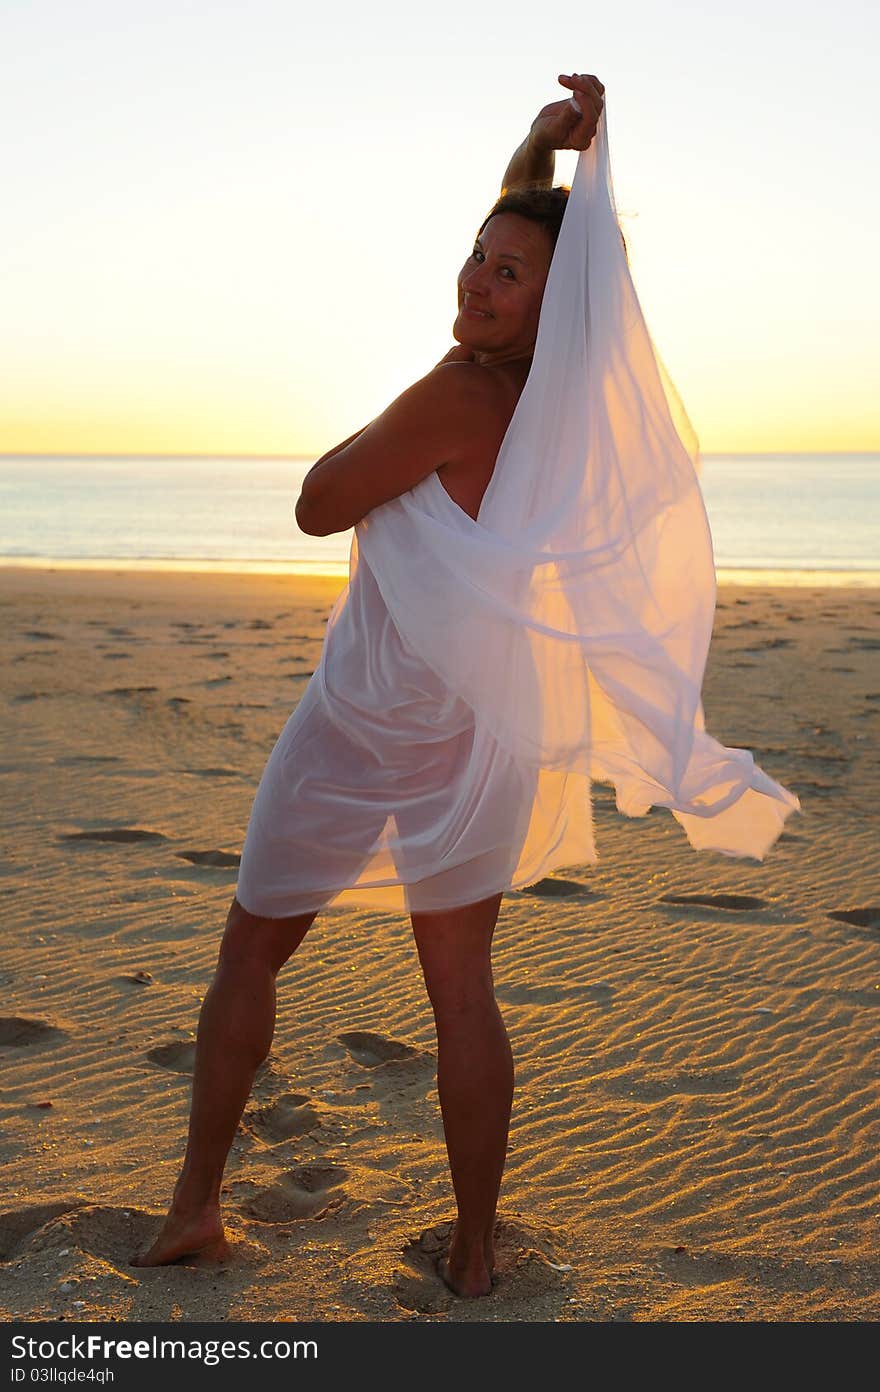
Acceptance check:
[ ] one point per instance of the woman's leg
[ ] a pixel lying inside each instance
(236, 1025)
(474, 1078)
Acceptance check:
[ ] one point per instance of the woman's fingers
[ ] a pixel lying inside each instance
(587, 99)
(583, 82)
(588, 91)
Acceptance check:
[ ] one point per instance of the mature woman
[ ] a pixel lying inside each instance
(529, 608)
(452, 421)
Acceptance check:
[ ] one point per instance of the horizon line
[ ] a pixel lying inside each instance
(173, 454)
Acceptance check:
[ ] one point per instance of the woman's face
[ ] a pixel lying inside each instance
(500, 288)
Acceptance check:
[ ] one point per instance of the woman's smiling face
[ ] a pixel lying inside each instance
(500, 288)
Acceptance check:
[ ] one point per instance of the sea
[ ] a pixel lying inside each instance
(775, 518)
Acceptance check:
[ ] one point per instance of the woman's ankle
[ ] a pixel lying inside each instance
(471, 1250)
(192, 1197)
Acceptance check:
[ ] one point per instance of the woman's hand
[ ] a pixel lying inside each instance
(559, 126)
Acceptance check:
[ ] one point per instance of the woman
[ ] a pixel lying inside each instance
(530, 604)
(452, 421)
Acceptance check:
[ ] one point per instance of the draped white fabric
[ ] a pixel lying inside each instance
(563, 634)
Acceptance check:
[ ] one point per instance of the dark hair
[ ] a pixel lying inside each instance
(546, 206)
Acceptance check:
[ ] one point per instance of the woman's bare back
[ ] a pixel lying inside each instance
(467, 478)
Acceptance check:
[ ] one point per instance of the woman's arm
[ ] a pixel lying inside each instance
(564, 125)
(335, 450)
(428, 425)
(456, 354)
(530, 165)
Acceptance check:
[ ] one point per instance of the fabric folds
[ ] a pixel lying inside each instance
(478, 675)
(575, 614)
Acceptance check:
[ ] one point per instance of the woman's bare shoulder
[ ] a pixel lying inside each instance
(491, 391)
(440, 418)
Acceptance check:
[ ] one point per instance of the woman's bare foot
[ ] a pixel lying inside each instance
(468, 1275)
(187, 1235)
(473, 1281)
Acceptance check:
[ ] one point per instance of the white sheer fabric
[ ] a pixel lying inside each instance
(477, 675)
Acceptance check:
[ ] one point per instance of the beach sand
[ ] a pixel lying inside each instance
(695, 1126)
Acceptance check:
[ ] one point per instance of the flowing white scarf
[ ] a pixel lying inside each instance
(574, 615)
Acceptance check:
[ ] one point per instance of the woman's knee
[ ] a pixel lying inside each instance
(456, 999)
(457, 974)
(269, 941)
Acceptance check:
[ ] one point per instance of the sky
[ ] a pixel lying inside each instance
(236, 229)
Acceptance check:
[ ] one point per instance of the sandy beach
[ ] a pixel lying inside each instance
(695, 1127)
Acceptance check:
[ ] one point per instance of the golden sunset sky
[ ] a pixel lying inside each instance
(236, 229)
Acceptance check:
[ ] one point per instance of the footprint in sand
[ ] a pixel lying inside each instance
(766, 644)
(302, 1192)
(552, 993)
(129, 690)
(19, 1032)
(318, 1187)
(860, 918)
(19, 1224)
(286, 1117)
(736, 902)
(121, 835)
(698, 1081)
(217, 859)
(527, 994)
(220, 772)
(373, 1050)
(555, 888)
(528, 1265)
(776, 1271)
(259, 623)
(112, 1235)
(42, 634)
(691, 1082)
(178, 1056)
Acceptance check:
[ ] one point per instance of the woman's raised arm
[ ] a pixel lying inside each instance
(563, 125)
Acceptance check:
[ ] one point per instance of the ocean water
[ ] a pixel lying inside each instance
(773, 516)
